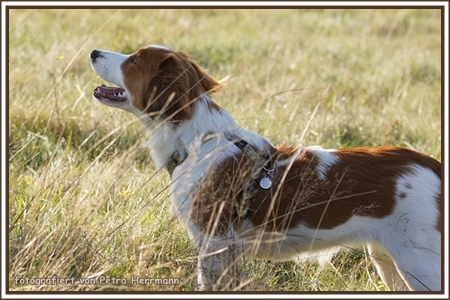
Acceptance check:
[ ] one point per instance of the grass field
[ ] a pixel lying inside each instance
(84, 198)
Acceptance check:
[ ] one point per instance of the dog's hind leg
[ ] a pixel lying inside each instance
(417, 260)
(420, 269)
(386, 268)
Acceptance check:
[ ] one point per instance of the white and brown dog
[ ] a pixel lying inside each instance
(239, 196)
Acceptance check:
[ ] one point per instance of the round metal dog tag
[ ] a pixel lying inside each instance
(265, 182)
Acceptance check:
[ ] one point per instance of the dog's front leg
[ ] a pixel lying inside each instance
(219, 263)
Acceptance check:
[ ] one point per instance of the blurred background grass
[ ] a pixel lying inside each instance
(84, 198)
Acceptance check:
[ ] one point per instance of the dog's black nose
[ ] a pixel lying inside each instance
(95, 54)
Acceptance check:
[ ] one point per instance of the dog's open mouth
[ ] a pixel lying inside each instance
(104, 92)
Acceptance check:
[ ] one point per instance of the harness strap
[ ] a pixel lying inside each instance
(175, 160)
(179, 156)
(249, 190)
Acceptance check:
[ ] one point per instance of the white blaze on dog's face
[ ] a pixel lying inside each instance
(155, 81)
(108, 65)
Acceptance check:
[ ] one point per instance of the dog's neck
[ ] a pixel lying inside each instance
(167, 137)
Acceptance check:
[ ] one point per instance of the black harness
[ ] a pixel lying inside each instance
(179, 156)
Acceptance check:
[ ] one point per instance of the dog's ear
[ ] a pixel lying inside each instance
(168, 91)
(207, 83)
(178, 83)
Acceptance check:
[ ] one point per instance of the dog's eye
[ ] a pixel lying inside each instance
(134, 60)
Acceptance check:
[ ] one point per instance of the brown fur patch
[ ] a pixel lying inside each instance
(166, 83)
(362, 183)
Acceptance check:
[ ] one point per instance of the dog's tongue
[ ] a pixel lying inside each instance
(110, 93)
(109, 89)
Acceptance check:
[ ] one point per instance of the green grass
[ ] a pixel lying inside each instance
(84, 198)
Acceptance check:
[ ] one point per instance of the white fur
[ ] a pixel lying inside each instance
(160, 47)
(326, 159)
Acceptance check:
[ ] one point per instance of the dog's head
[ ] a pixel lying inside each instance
(154, 81)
